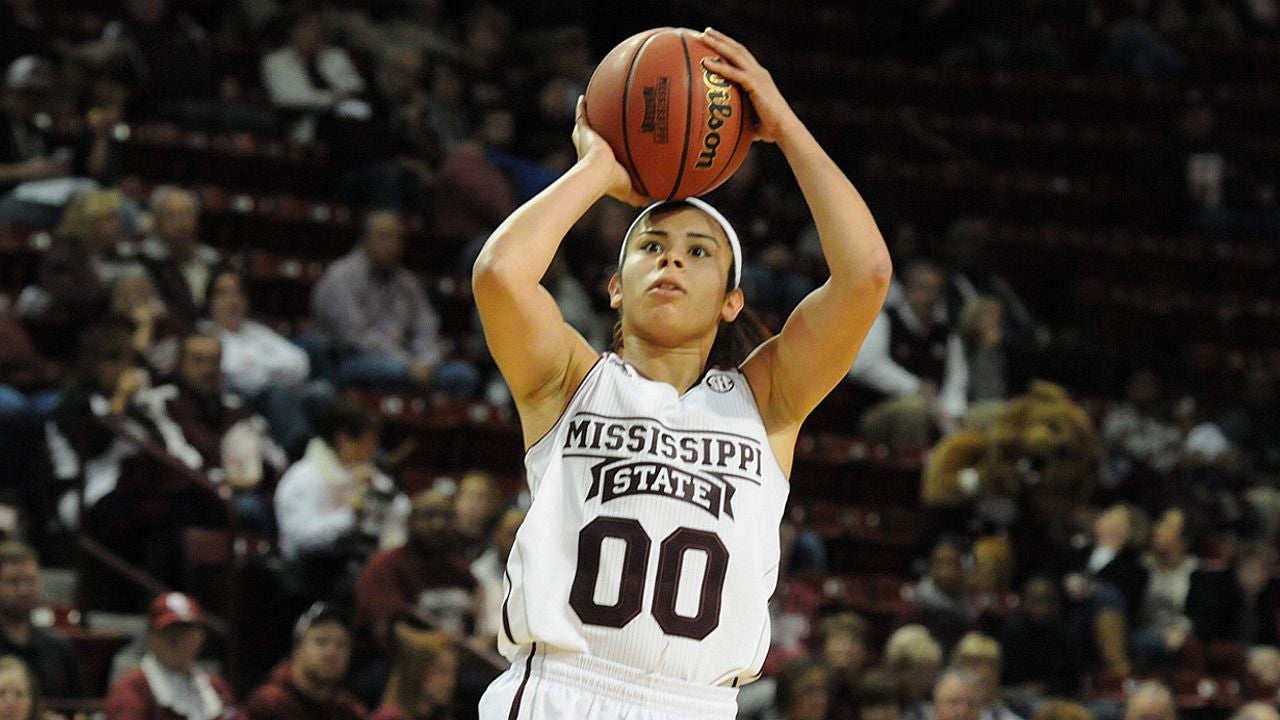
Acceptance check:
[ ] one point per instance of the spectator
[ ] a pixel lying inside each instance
(877, 697)
(475, 195)
(169, 684)
(979, 383)
(424, 679)
(156, 333)
(1256, 711)
(171, 57)
(25, 155)
(28, 397)
(308, 686)
(311, 76)
(1106, 585)
(957, 696)
(1038, 623)
(373, 315)
(941, 601)
(476, 509)
(334, 507)
(490, 570)
(1239, 604)
(19, 691)
(447, 104)
(913, 657)
(841, 645)
(904, 361)
(802, 691)
(981, 655)
(1150, 701)
(258, 364)
(1137, 435)
(47, 653)
(428, 577)
(180, 264)
(214, 433)
(71, 290)
(1163, 626)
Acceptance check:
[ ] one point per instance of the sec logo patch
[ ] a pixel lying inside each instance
(720, 383)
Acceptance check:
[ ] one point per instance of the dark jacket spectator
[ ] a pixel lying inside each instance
(171, 56)
(47, 652)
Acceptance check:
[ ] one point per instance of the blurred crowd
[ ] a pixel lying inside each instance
(145, 403)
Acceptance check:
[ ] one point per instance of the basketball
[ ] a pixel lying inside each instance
(679, 129)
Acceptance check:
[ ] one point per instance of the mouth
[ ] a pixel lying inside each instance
(667, 286)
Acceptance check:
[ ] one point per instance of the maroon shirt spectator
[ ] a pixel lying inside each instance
(309, 685)
(168, 685)
(428, 575)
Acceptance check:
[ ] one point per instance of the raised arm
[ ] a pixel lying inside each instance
(541, 357)
(792, 372)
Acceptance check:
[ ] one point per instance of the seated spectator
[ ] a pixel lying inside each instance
(802, 692)
(311, 76)
(214, 433)
(841, 646)
(181, 266)
(1138, 437)
(258, 364)
(980, 381)
(941, 601)
(72, 286)
(28, 396)
(475, 195)
(490, 570)
(1150, 701)
(1038, 623)
(980, 655)
(25, 155)
(905, 362)
(172, 58)
(169, 684)
(1257, 711)
(476, 509)
(913, 657)
(156, 333)
(46, 652)
(375, 318)
(957, 696)
(877, 697)
(19, 691)
(427, 579)
(1239, 604)
(1163, 627)
(423, 680)
(1105, 585)
(308, 685)
(333, 507)
(81, 449)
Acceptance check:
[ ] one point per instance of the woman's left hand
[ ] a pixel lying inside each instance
(738, 65)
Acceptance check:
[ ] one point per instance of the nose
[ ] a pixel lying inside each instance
(671, 257)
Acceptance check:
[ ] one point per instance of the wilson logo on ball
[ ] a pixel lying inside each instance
(679, 129)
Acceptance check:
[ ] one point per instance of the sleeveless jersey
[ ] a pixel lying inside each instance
(652, 540)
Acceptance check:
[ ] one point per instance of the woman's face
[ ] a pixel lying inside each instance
(227, 303)
(672, 282)
(15, 695)
(132, 292)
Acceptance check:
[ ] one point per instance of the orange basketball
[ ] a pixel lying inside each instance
(678, 128)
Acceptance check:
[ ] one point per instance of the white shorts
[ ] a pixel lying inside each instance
(561, 686)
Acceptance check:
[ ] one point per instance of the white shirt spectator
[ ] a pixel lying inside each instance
(256, 356)
(285, 77)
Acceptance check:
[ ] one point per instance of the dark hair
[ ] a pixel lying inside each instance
(106, 340)
(343, 417)
(877, 688)
(206, 310)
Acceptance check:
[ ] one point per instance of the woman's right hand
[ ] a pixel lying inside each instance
(592, 148)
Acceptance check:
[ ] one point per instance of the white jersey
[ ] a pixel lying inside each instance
(652, 540)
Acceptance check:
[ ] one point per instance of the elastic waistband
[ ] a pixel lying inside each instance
(627, 684)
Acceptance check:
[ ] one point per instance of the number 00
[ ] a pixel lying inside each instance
(635, 562)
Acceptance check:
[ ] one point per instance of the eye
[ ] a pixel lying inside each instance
(698, 251)
(651, 246)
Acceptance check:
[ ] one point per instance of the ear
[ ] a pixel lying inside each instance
(734, 301)
(615, 291)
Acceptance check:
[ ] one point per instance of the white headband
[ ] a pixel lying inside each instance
(704, 207)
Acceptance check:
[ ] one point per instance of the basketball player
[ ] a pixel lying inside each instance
(638, 584)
